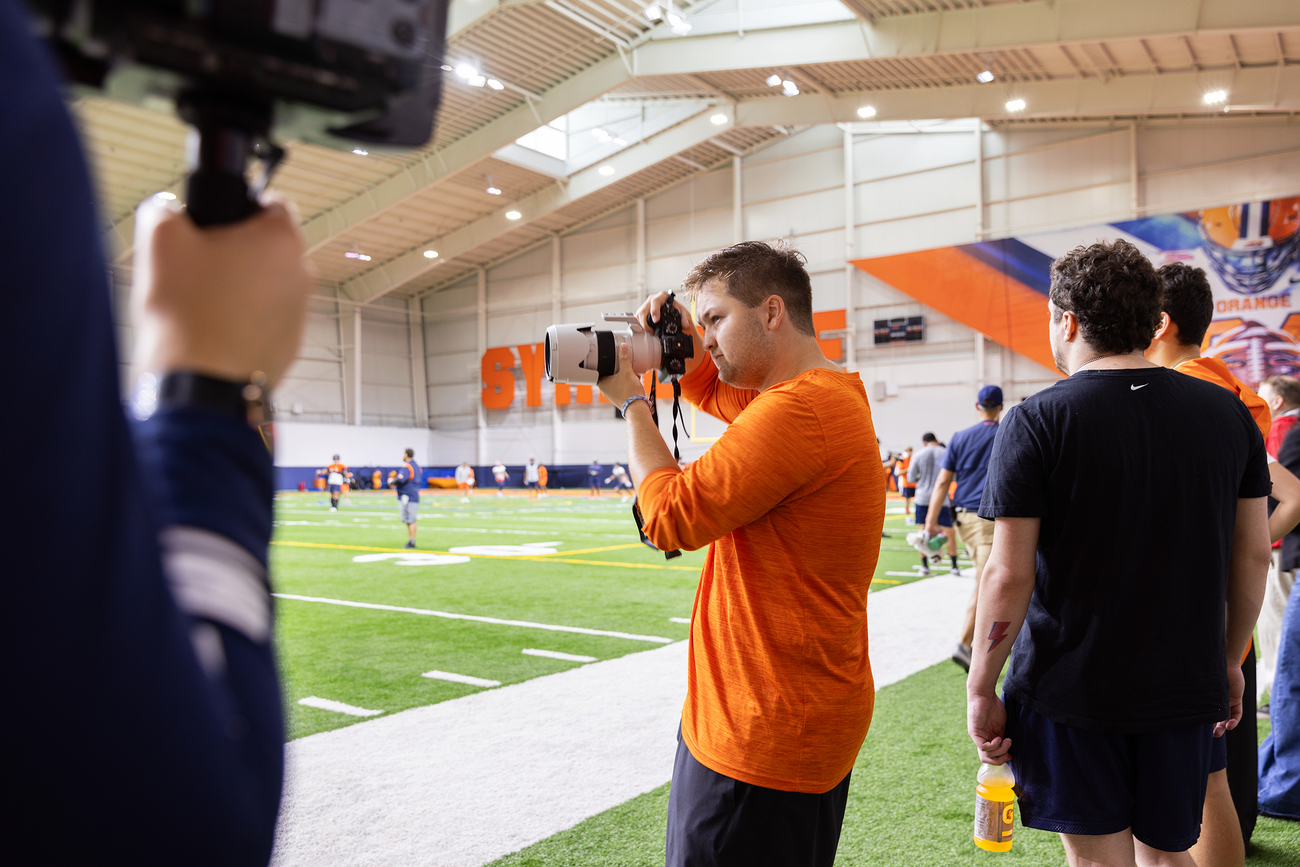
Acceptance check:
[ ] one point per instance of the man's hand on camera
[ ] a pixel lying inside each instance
(652, 309)
(619, 386)
(223, 301)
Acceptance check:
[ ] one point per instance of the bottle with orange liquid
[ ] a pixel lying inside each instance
(995, 807)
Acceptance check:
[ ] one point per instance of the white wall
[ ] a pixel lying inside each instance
(915, 186)
(303, 444)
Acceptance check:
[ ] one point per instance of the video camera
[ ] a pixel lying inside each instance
(333, 72)
(583, 352)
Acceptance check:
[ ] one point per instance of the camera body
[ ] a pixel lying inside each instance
(583, 352)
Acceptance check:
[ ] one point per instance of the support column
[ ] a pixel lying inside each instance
(1133, 204)
(979, 361)
(352, 361)
(481, 448)
(979, 179)
(555, 310)
(419, 384)
(639, 292)
(737, 199)
(850, 253)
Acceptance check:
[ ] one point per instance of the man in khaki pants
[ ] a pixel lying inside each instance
(967, 461)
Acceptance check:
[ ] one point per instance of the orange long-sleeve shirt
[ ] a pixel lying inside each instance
(779, 687)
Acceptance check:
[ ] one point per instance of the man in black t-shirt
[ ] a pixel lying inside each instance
(1129, 660)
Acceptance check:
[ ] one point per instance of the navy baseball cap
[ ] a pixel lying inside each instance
(990, 396)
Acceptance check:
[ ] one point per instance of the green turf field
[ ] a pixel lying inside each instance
(599, 577)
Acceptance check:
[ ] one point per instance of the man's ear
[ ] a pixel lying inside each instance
(1166, 326)
(773, 312)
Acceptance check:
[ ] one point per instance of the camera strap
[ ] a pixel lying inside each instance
(677, 413)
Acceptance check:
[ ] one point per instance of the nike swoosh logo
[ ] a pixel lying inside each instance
(1136, 387)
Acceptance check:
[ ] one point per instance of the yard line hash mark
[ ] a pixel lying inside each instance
(685, 620)
(555, 654)
(554, 558)
(336, 706)
(460, 678)
(496, 621)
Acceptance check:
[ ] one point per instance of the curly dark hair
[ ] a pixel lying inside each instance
(1113, 290)
(1185, 294)
(753, 271)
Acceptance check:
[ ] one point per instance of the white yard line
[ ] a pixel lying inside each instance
(336, 706)
(685, 620)
(555, 654)
(464, 782)
(460, 678)
(524, 624)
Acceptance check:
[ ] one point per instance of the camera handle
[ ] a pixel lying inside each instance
(228, 130)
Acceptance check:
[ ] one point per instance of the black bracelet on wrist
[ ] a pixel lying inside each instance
(247, 401)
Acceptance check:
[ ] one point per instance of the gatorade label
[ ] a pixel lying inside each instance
(993, 819)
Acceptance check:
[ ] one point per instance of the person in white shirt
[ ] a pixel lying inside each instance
(465, 480)
(530, 478)
(621, 481)
(499, 473)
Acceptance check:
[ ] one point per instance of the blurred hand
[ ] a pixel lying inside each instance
(1236, 689)
(932, 526)
(652, 308)
(224, 301)
(986, 721)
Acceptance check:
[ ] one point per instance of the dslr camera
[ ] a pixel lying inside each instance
(583, 352)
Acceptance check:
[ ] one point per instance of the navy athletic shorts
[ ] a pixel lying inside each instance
(1078, 781)
(334, 489)
(717, 821)
(909, 491)
(945, 516)
(1219, 754)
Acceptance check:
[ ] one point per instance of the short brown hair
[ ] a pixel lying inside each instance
(1185, 294)
(1113, 290)
(1286, 386)
(753, 271)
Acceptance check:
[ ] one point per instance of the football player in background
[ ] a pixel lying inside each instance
(407, 481)
(336, 476)
(530, 478)
(500, 475)
(465, 480)
(541, 480)
(621, 481)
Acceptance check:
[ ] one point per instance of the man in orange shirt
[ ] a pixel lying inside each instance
(779, 687)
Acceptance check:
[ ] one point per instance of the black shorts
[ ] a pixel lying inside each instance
(1078, 781)
(717, 821)
(909, 491)
(945, 516)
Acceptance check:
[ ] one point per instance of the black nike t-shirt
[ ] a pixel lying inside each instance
(1136, 476)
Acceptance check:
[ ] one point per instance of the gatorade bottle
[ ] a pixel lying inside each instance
(995, 807)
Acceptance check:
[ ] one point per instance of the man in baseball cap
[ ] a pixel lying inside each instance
(967, 461)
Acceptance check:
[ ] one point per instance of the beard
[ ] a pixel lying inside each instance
(749, 359)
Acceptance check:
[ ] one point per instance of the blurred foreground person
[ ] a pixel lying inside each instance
(779, 687)
(1279, 757)
(145, 723)
(1129, 663)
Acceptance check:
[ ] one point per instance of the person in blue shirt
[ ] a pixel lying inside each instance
(967, 461)
(166, 746)
(593, 479)
(407, 482)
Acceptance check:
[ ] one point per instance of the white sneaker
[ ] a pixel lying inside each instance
(464, 499)
(332, 509)
(923, 571)
(910, 522)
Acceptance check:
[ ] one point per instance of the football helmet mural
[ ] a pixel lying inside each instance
(1254, 352)
(1250, 245)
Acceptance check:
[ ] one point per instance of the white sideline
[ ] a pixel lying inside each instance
(464, 782)
(460, 678)
(336, 706)
(556, 654)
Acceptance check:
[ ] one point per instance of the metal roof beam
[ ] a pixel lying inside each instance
(412, 265)
(1253, 89)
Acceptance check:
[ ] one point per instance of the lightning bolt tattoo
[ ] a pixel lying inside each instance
(998, 633)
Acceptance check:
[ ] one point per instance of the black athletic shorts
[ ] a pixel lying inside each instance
(922, 512)
(1078, 781)
(716, 821)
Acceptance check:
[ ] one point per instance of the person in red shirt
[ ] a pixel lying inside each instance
(779, 686)
(1282, 394)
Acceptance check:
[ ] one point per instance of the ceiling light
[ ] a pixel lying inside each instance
(1215, 96)
(1016, 105)
(493, 191)
(166, 195)
(431, 254)
(620, 142)
(495, 85)
(984, 77)
(653, 12)
(677, 24)
(719, 118)
(606, 170)
(361, 152)
(476, 81)
(789, 88)
(600, 134)
(513, 215)
(773, 80)
(867, 111)
(353, 254)
(446, 68)
(464, 70)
